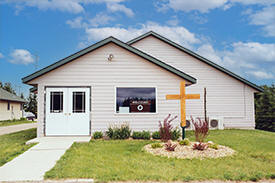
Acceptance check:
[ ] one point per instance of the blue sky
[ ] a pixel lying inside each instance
(237, 34)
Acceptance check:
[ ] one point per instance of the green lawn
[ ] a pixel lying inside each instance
(11, 145)
(16, 122)
(124, 160)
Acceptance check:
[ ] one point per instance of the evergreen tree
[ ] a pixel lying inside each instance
(31, 105)
(265, 108)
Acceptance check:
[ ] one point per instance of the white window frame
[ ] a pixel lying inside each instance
(135, 86)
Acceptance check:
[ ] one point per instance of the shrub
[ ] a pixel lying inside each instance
(156, 145)
(141, 135)
(184, 142)
(201, 129)
(165, 129)
(199, 146)
(175, 135)
(156, 135)
(213, 146)
(169, 146)
(119, 132)
(256, 177)
(98, 135)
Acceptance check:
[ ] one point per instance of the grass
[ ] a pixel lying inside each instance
(14, 122)
(124, 160)
(11, 145)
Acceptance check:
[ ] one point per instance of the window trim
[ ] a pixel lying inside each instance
(74, 100)
(51, 102)
(135, 86)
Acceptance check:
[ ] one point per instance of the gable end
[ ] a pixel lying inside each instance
(100, 44)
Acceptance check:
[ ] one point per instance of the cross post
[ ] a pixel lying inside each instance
(182, 97)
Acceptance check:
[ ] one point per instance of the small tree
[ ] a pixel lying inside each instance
(31, 105)
(165, 129)
(201, 129)
(8, 87)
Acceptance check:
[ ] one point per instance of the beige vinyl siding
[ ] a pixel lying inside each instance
(15, 111)
(226, 96)
(126, 69)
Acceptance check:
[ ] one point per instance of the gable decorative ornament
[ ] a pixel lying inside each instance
(111, 56)
(182, 97)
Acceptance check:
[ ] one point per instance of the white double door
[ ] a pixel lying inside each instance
(67, 111)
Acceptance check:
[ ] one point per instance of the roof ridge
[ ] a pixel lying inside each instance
(6, 95)
(199, 57)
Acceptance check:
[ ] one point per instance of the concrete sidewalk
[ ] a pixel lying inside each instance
(32, 165)
(15, 128)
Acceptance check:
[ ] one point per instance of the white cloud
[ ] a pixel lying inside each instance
(21, 56)
(174, 21)
(204, 6)
(244, 58)
(72, 6)
(207, 51)
(178, 34)
(115, 7)
(253, 2)
(265, 18)
(199, 5)
(100, 19)
(261, 74)
(1, 55)
(253, 52)
(75, 23)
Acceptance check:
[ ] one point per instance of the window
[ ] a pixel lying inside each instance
(135, 100)
(8, 106)
(78, 102)
(21, 107)
(56, 102)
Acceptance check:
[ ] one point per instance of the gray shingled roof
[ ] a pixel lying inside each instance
(5, 95)
(100, 44)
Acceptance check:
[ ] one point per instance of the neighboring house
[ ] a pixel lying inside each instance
(11, 106)
(113, 82)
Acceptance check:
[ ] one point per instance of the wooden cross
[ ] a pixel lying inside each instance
(182, 97)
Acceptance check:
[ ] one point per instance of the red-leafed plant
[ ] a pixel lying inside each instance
(165, 129)
(169, 146)
(199, 146)
(201, 129)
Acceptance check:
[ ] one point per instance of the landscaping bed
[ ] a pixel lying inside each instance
(187, 151)
(125, 160)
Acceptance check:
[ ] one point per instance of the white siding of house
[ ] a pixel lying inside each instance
(15, 111)
(126, 69)
(226, 96)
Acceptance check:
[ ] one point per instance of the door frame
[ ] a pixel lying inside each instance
(74, 86)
